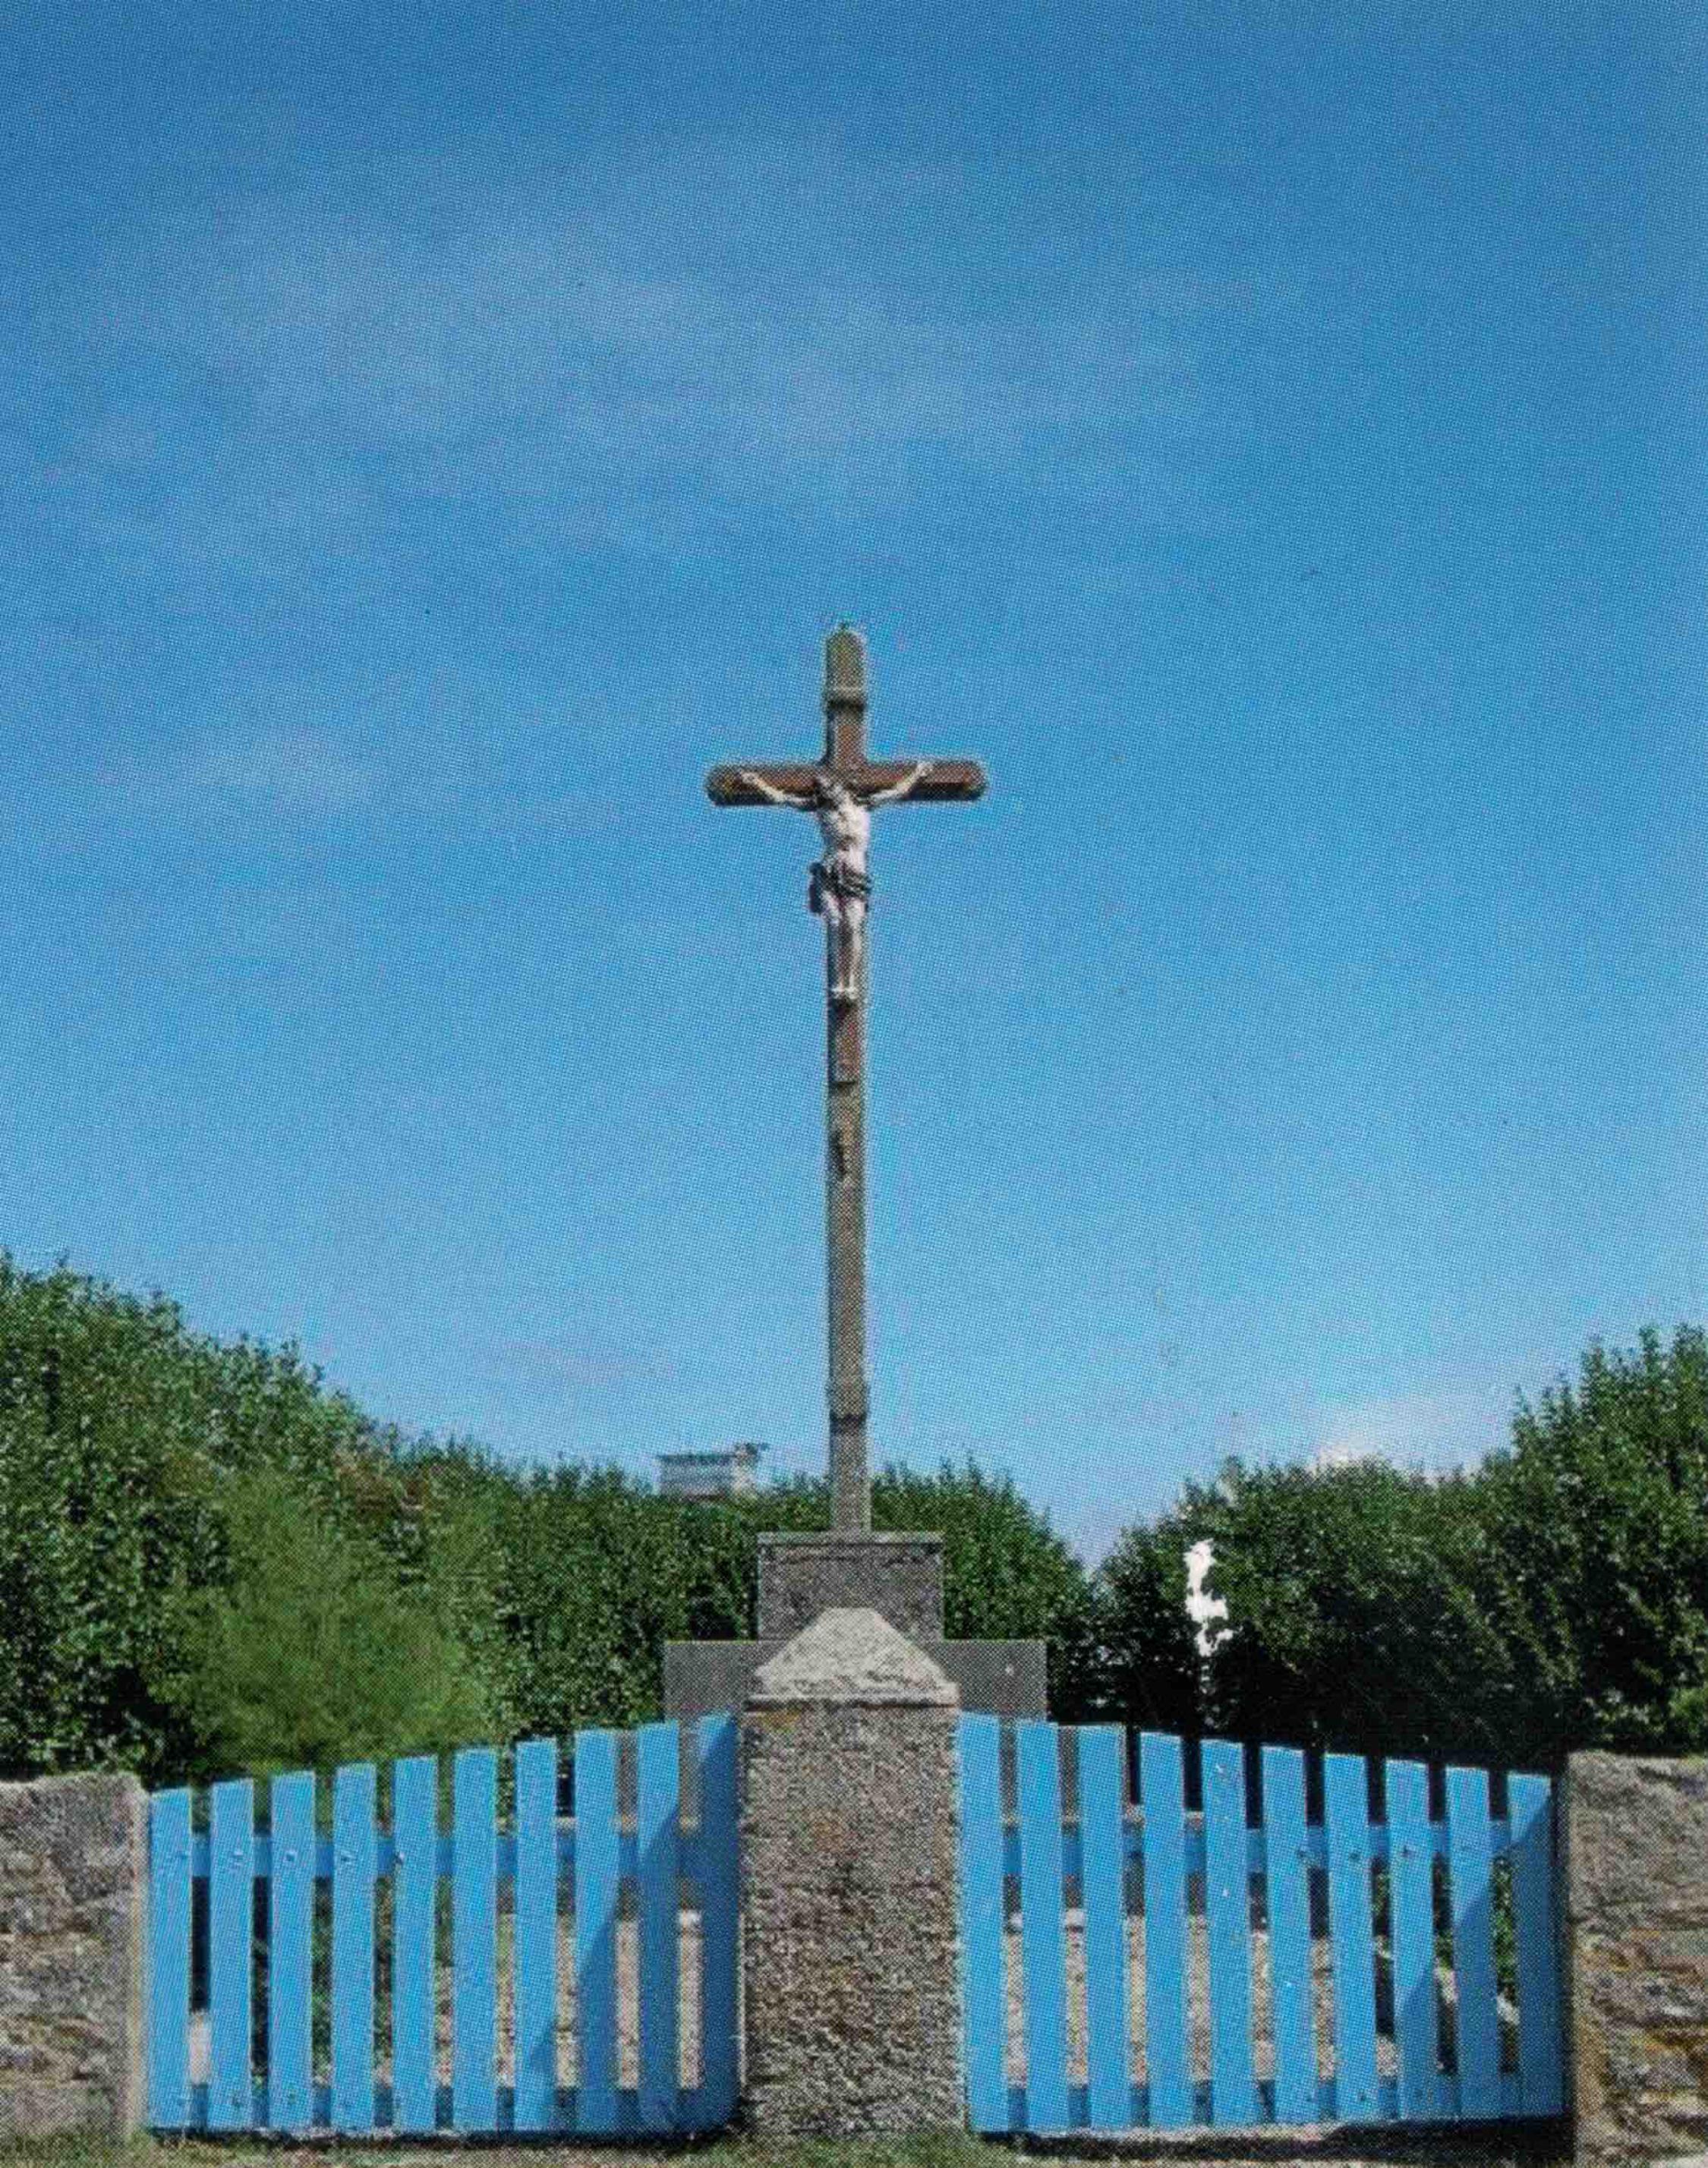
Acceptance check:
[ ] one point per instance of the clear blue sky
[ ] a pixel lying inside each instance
(1270, 438)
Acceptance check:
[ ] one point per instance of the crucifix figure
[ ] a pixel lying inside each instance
(839, 887)
(841, 791)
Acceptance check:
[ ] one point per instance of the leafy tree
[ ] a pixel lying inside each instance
(1365, 1614)
(306, 1652)
(87, 1531)
(1599, 1517)
(591, 1591)
(1557, 1598)
(101, 1475)
(1145, 1669)
(1007, 1575)
(598, 1573)
(116, 1426)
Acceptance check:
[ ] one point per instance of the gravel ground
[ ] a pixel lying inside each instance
(628, 2053)
(1506, 2147)
(1198, 2004)
(628, 2023)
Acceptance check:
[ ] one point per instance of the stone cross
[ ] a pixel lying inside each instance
(840, 790)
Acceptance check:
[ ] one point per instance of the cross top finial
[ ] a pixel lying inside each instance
(844, 665)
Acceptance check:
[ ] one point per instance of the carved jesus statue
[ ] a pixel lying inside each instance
(840, 887)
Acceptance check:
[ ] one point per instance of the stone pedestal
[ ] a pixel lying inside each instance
(900, 1577)
(850, 1887)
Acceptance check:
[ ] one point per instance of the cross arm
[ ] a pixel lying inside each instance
(944, 780)
(941, 779)
(729, 786)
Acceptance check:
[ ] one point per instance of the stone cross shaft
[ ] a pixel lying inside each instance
(840, 790)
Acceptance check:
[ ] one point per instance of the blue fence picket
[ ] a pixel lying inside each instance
(1043, 1956)
(984, 1961)
(1162, 1784)
(170, 1887)
(1287, 1896)
(1530, 1804)
(1103, 1860)
(720, 1875)
(1347, 1813)
(474, 2077)
(289, 1954)
(1411, 1916)
(1233, 2097)
(414, 1941)
(596, 1868)
(1471, 1879)
(1227, 1853)
(535, 1940)
(353, 1861)
(656, 1831)
(231, 1953)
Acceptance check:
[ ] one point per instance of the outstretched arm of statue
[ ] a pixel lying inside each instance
(917, 774)
(770, 792)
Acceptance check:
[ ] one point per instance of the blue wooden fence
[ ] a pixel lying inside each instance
(268, 2080)
(1373, 2031)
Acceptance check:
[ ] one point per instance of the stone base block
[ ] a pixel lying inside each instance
(900, 1577)
(998, 1678)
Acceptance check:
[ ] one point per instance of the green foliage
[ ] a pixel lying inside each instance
(1599, 1515)
(85, 1530)
(1557, 1598)
(598, 1573)
(208, 1560)
(102, 1450)
(307, 1653)
(1145, 1666)
(118, 1428)
(1362, 1614)
(1006, 1575)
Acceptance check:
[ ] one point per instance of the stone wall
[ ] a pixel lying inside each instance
(73, 1854)
(1636, 1925)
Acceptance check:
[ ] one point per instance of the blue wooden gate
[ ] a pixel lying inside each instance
(266, 1977)
(1129, 1965)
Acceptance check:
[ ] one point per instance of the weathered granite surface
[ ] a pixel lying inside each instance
(851, 1935)
(74, 1856)
(1636, 1923)
(898, 1575)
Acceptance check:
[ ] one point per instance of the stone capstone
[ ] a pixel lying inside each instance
(851, 1654)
